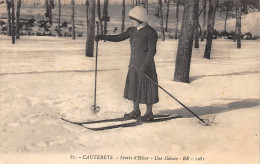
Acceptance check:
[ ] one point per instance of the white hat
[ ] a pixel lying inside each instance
(139, 13)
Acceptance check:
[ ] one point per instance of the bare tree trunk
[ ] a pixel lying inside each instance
(50, 12)
(177, 18)
(99, 17)
(105, 17)
(47, 8)
(183, 57)
(245, 9)
(19, 3)
(72, 19)
(9, 26)
(13, 23)
(236, 25)
(147, 6)
(91, 29)
(161, 18)
(239, 12)
(167, 15)
(123, 17)
(59, 32)
(258, 5)
(225, 28)
(196, 25)
(211, 21)
(87, 6)
(204, 20)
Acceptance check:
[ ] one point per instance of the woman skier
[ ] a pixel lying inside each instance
(143, 40)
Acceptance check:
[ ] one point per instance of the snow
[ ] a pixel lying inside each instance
(249, 23)
(46, 78)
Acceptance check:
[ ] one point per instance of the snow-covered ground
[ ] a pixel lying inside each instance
(46, 78)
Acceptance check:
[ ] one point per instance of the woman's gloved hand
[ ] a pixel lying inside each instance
(139, 71)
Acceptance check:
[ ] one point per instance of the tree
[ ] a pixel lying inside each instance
(91, 29)
(133, 4)
(123, 17)
(50, 11)
(19, 3)
(204, 20)
(236, 25)
(226, 6)
(48, 7)
(99, 16)
(161, 18)
(239, 12)
(146, 6)
(13, 23)
(105, 16)
(8, 6)
(210, 28)
(184, 52)
(59, 32)
(72, 19)
(87, 6)
(177, 18)
(196, 25)
(167, 15)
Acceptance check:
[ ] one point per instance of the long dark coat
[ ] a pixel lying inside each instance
(143, 48)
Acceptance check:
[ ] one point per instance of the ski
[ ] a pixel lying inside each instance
(124, 125)
(107, 120)
(131, 124)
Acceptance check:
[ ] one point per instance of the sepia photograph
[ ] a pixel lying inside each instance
(129, 82)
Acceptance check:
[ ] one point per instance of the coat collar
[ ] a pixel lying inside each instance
(140, 26)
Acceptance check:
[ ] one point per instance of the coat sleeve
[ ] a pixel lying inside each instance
(120, 37)
(152, 41)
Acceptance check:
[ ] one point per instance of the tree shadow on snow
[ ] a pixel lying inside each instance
(193, 78)
(213, 109)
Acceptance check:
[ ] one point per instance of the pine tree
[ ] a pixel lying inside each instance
(9, 26)
(147, 6)
(239, 12)
(99, 16)
(204, 20)
(91, 29)
(123, 17)
(19, 3)
(184, 52)
(177, 18)
(210, 29)
(196, 26)
(59, 32)
(167, 15)
(13, 23)
(161, 19)
(72, 19)
(105, 16)
(87, 7)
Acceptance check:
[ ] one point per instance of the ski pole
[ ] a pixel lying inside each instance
(94, 107)
(173, 97)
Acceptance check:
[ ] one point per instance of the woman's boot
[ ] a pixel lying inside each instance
(148, 116)
(135, 113)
